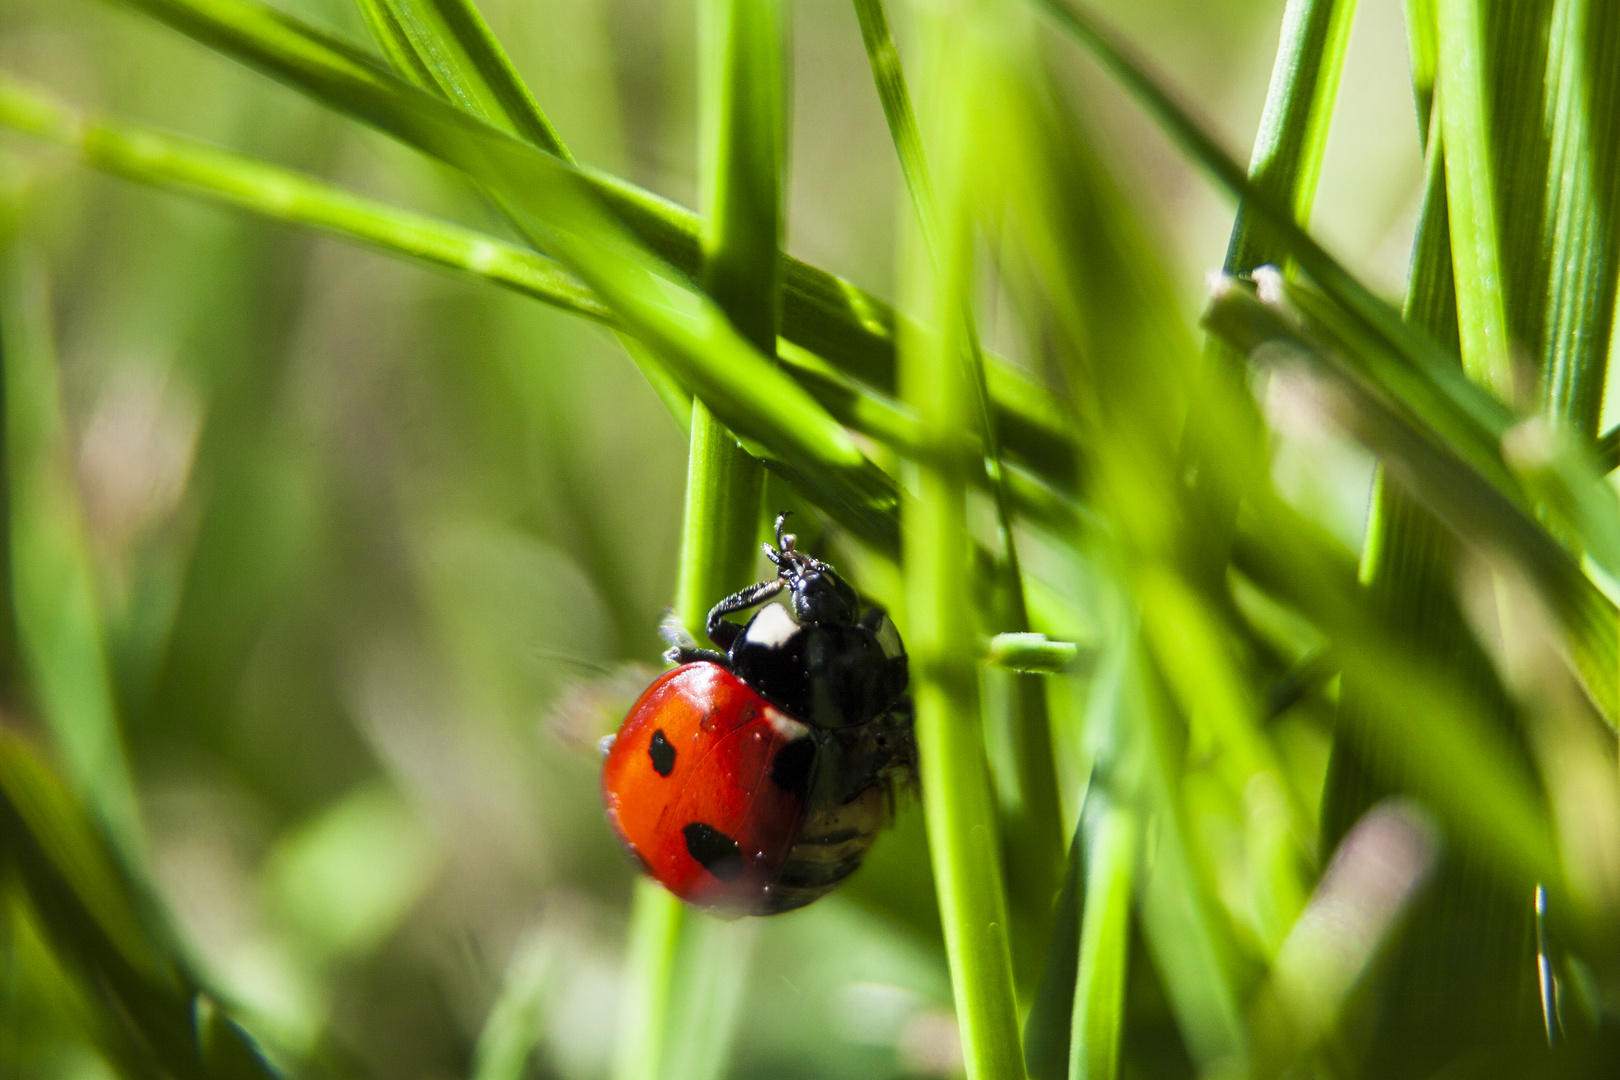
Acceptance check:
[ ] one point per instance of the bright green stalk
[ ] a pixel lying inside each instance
(1105, 927)
(655, 931)
(1033, 827)
(1475, 244)
(958, 804)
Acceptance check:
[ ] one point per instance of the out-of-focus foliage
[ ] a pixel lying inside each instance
(327, 564)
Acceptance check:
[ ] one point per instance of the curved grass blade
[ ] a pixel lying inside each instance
(149, 156)
(820, 312)
(447, 43)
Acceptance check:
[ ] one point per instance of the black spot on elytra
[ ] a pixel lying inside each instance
(790, 770)
(662, 754)
(714, 850)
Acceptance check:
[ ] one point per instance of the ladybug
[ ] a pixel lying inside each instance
(754, 779)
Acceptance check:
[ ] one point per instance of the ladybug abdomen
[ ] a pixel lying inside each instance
(830, 846)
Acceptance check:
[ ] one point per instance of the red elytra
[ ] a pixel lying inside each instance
(699, 789)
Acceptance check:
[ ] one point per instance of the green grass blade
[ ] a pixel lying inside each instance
(654, 936)
(1423, 56)
(693, 969)
(1035, 653)
(1047, 1030)
(1031, 817)
(58, 626)
(1105, 926)
(1582, 229)
(958, 804)
(446, 44)
(514, 1023)
(150, 156)
(82, 900)
(1470, 190)
(822, 313)
(1292, 137)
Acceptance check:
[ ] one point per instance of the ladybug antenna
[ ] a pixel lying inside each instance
(784, 556)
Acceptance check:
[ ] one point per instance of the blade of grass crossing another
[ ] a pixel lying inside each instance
(449, 42)
(820, 312)
(1423, 56)
(1285, 164)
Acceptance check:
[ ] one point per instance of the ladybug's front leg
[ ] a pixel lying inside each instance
(683, 647)
(723, 633)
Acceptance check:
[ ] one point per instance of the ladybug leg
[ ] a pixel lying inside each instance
(723, 633)
(677, 655)
(684, 648)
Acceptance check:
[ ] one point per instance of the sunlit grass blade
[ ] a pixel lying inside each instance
(1423, 58)
(820, 312)
(1285, 163)
(448, 43)
(513, 1026)
(1047, 1029)
(1021, 651)
(147, 155)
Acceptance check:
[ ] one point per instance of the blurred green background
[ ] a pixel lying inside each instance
(381, 552)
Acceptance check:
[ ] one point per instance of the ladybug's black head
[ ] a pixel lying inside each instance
(816, 591)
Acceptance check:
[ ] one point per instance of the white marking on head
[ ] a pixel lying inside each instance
(784, 725)
(889, 639)
(771, 628)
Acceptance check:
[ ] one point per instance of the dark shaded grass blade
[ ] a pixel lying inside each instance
(87, 911)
